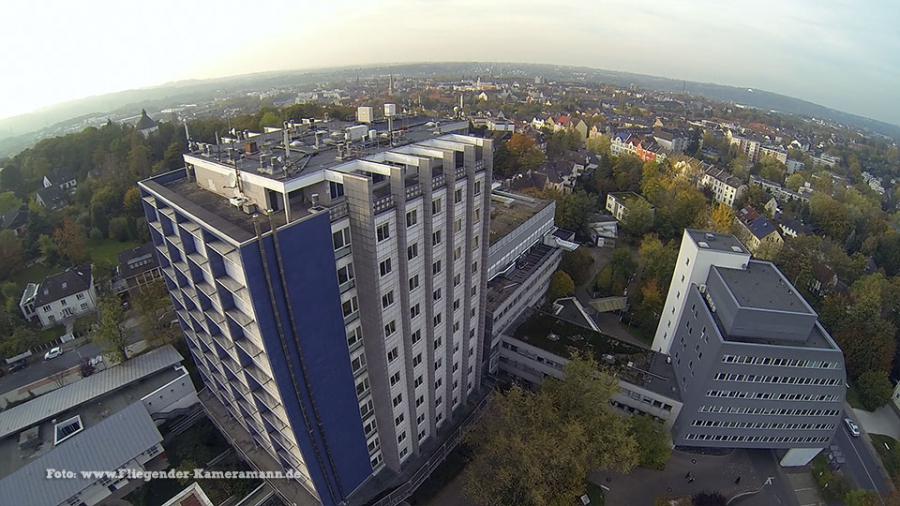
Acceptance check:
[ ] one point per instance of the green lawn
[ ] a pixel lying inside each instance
(853, 398)
(888, 449)
(595, 493)
(34, 274)
(106, 251)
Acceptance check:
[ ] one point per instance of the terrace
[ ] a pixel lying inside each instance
(630, 363)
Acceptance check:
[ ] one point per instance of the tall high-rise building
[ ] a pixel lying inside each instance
(330, 290)
(754, 366)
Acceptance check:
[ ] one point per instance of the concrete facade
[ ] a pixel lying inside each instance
(343, 330)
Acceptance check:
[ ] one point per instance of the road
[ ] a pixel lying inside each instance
(41, 368)
(863, 466)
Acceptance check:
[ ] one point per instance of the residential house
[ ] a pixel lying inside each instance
(61, 178)
(582, 128)
(792, 227)
(746, 145)
(794, 166)
(757, 231)
(780, 193)
(776, 152)
(51, 198)
(617, 203)
(672, 141)
(824, 279)
(60, 297)
(725, 187)
(644, 148)
(15, 220)
(146, 125)
(137, 268)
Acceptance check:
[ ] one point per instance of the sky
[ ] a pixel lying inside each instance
(841, 54)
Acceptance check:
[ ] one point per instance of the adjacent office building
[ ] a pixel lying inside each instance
(754, 366)
(328, 278)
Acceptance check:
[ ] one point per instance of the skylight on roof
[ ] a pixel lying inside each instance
(67, 429)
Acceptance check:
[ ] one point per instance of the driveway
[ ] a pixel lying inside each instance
(710, 472)
(863, 466)
(883, 420)
(40, 368)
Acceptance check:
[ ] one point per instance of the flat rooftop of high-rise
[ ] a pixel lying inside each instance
(509, 210)
(315, 146)
(725, 243)
(762, 286)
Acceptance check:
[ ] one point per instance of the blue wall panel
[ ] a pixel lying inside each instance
(309, 273)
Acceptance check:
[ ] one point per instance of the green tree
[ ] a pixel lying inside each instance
(109, 332)
(875, 389)
(11, 253)
(653, 441)
(722, 219)
(627, 171)
(561, 285)
(524, 153)
(535, 449)
(119, 229)
(155, 312)
(573, 209)
(48, 248)
(657, 260)
(794, 182)
(613, 277)
(599, 145)
(9, 202)
(831, 216)
(638, 219)
(577, 264)
(270, 119)
(862, 498)
(131, 202)
(70, 240)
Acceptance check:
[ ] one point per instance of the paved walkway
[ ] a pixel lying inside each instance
(883, 420)
(710, 472)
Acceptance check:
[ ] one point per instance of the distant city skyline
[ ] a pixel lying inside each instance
(841, 54)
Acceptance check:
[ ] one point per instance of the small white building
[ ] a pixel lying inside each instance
(617, 203)
(61, 297)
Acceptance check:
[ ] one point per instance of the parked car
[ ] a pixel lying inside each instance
(53, 353)
(852, 427)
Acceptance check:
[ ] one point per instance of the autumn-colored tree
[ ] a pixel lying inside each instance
(722, 219)
(70, 239)
(131, 202)
(561, 285)
(11, 253)
(536, 449)
(109, 332)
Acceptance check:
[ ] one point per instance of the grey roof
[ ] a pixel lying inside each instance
(762, 286)
(52, 197)
(106, 446)
(761, 227)
(137, 260)
(145, 121)
(51, 404)
(69, 282)
(726, 243)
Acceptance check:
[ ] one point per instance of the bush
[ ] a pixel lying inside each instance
(653, 441)
(561, 285)
(577, 264)
(874, 389)
(832, 486)
(118, 229)
(861, 498)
